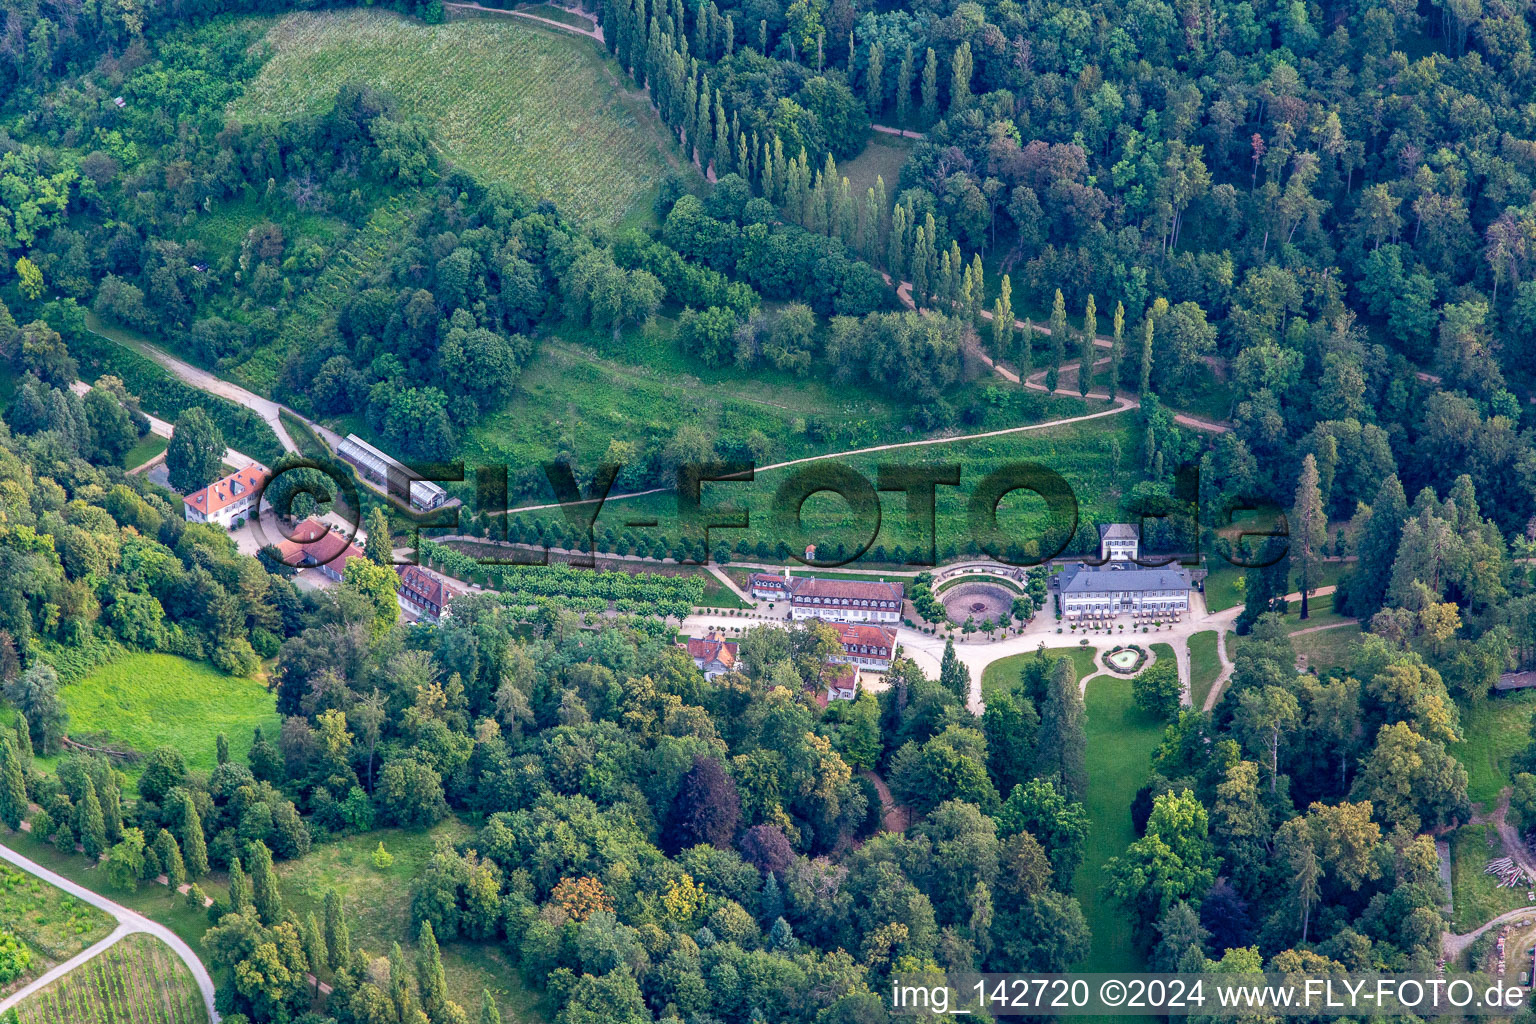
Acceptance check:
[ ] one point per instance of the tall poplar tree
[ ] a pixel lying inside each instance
(1309, 530)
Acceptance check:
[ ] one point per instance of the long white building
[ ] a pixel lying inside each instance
(1120, 586)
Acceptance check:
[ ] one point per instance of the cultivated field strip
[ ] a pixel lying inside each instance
(136, 981)
(509, 102)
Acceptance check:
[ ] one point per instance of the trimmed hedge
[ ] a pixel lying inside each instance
(585, 590)
(166, 396)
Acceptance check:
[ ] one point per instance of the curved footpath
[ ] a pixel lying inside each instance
(128, 922)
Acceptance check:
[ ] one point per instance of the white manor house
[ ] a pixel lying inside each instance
(811, 597)
(1120, 586)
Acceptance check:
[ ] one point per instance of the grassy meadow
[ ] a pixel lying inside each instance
(52, 922)
(146, 701)
(1493, 732)
(1477, 897)
(1003, 674)
(1121, 740)
(1204, 666)
(1079, 452)
(379, 912)
(509, 101)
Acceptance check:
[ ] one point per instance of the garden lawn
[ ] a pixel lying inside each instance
(146, 701)
(1078, 451)
(149, 446)
(1327, 648)
(1477, 897)
(1492, 733)
(1204, 666)
(1003, 674)
(507, 100)
(378, 904)
(1224, 585)
(882, 157)
(1121, 740)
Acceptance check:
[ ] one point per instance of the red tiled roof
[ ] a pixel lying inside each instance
(314, 543)
(858, 634)
(806, 587)
(713, 648)
(221, 493)
(424, 584)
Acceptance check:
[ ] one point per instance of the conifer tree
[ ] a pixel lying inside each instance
(1002, 322)
(1058, 340)
(429, 973)
(1145, 387)
(338, 937)
(1089, 352)
(314, 943)
(1063, 741)
(874, 80)
(1309, 530)
(193, 846)
(960, 79)
(1117, 350)
(221, 749)
(90, 826)
(377, 546)
(978, 289)
(920, 267)
(488, 1012)
(904, 89)
(400, 992)
(239, 887)
(895, 256)
(171, 861)
(264, 890)
(23, 741)
(722, 148)
(953, 675)
(930, 88)
(13, 786)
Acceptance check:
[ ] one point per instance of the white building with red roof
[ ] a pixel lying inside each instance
(846, 600)
(870, 647)
(714, 655)
(842, 682)
(424, 592)
(227, 501)
(315, 545)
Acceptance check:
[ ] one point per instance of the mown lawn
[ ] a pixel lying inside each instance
(1477, 897)
(1204, 666)
(1120, 744)
(378, 904)
(1328, 648)
(1492, 733)
(146, 701)
(148, 447)
(882, 157)
(507, 100)
(1079, 452)
(1003, 674)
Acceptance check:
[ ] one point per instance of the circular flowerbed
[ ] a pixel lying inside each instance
(1126, 660)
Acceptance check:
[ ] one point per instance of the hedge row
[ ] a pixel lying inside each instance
(163, 395)
(643, 592)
